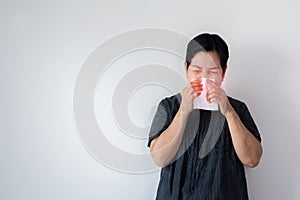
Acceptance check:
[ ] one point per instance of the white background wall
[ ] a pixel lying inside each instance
(43, 45)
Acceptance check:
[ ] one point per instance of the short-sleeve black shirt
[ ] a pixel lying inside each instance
(218, 175)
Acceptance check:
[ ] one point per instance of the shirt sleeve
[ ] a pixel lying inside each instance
(248, 121)
(161, 121)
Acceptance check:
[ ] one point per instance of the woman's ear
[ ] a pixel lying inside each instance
(223, 75)
(185, 67)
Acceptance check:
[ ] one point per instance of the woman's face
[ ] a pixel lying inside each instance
(205, 65)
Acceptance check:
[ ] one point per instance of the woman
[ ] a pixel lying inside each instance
(219, 173)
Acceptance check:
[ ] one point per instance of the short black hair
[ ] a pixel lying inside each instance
(208, 42)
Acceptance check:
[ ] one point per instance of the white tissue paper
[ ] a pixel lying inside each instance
(200, 102)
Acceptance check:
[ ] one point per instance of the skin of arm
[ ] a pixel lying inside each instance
(247, 147)
(164, 147)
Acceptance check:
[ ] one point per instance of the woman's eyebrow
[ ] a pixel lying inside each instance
(212, 68)
(197, 66)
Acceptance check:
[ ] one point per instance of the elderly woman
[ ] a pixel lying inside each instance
(218, 173)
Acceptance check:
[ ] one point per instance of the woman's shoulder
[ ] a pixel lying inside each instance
(171, 102)
(237, 104)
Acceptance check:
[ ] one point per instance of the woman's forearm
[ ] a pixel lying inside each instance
(247, 147)
(164, 147)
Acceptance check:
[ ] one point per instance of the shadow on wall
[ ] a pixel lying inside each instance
(267, 73)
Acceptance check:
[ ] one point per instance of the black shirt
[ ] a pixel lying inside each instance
(206, 166)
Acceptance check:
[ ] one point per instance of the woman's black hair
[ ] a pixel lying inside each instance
(208, 42)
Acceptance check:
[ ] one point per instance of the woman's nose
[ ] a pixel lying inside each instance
(203, 74)
(197, 76)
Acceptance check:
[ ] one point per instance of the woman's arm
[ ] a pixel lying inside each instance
(164, 147)
(247, 147)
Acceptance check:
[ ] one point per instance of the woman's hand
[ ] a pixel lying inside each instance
(218, 95)
(187, 96)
